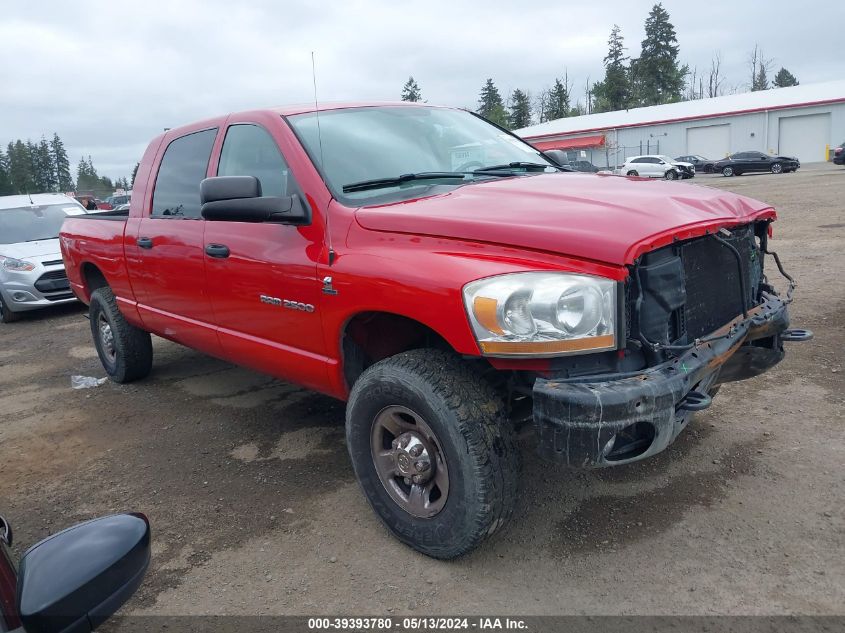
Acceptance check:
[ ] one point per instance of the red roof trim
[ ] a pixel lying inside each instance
(578, 142)
(696, 117)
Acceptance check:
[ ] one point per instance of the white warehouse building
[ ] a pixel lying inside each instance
(804, 121)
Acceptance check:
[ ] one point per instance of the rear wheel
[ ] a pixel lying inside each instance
(125, 351)
(433, 451)
(777, 168)
(6, 314)
(728, 171)
(632, 172)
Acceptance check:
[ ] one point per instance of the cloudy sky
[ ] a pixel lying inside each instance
(107, 75)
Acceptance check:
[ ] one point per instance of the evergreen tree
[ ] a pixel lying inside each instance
(558, 100)
(761, 79)
(614, 92)
(20, 167)
(45, 174)
(784, 78)
(659, 77)
(490, 104)
(6, 188)
(411, 91)
(61, 164)
(134, 173)
(520, 114)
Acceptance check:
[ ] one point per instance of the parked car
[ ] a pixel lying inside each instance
(583, 165)
(119, 199)
(749, 162)
(75, 579)
(32, 273)
(701, 164)
(657, 166)
(446, 305)
(839, 154)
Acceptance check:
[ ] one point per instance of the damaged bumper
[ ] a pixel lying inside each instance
(630, 417)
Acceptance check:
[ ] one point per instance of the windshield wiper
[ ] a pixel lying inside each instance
(378, 183)
(42, 239)
(516, 165)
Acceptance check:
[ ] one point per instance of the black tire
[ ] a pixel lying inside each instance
(633, 172)
(131, 355)
(6, 315)
(777, 168)
(671, 175)
(468, 418)
(728, 171)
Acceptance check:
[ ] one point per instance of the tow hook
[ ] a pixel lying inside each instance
(796, 335)
(695, 401)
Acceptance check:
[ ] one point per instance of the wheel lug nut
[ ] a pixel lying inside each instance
(422, 466)
(404, 442)
(416, 450)
(417, 479)
(395, 443)
(408, 480)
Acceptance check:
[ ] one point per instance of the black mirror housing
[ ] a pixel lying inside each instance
(77, 578)
(229, 188)
(239, 199)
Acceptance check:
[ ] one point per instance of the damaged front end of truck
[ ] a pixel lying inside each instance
(698, 313)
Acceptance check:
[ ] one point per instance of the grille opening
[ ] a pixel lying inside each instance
(630, 442)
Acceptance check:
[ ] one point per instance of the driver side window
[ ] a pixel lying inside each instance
(249, 150)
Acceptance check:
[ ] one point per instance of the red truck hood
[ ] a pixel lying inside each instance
(604, 218)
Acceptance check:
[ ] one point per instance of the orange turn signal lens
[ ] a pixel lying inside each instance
(534, 348)
(485, 310)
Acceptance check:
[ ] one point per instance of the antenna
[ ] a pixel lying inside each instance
(322, 164)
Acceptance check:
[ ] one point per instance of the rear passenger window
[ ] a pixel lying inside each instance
(249, 150)
(183, 168)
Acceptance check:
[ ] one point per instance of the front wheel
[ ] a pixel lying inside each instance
(6, 314)
(125, 351)
(671, 175)
(777, 168)
(633, 172)
(433, 451)
(728, 171)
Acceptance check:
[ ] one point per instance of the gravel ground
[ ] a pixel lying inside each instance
(254, 509)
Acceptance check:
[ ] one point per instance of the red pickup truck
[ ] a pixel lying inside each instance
(446, 280)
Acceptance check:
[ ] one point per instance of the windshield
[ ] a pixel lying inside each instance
(363, 144)
(30, 224)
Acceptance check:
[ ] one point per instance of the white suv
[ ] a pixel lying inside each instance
(657, 166)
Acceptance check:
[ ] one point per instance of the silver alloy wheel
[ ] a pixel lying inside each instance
(106, 338)
(728, 171)
(777, 168)
(671, 174)
(632, 173)
(409, 461)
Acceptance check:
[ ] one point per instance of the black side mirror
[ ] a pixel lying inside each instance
(239, 199)
(77, 578)
(5, 532)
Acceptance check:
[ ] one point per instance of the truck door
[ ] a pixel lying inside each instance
(169, 278)
(263, 281)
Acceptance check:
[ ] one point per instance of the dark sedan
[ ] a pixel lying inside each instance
(702, 165)
(839, 154)
(748, 162)
(75, 579)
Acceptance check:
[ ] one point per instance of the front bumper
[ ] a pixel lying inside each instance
(32, 290)
(625, 419)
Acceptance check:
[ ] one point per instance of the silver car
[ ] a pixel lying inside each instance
(32, 273)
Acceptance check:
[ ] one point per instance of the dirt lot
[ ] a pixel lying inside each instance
(248, 486)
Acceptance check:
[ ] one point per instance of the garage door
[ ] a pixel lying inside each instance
(710, 141)
(804, 136)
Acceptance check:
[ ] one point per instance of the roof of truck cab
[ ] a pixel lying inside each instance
(302, 108)
(37, 199)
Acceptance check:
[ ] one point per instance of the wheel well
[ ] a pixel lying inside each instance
(93, 278)
(372, 336)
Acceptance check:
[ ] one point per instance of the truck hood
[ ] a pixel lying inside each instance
(30, 250)
(605, 218)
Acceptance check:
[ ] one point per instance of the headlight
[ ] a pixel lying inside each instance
(18, 265)
(542, 314)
